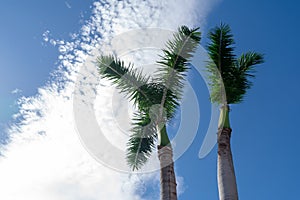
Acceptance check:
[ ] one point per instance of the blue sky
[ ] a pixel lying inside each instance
(264, 138)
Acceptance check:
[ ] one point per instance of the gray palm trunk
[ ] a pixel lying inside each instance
(167, 173)
(226, 177)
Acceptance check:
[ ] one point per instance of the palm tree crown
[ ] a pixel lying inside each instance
(156, 98)
(229, 75)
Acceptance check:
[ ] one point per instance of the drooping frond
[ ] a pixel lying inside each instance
(243, 72)
(127, 79)
(141, 142)
(174, 65)
(229, 76)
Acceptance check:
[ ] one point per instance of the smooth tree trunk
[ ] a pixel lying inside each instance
(226, 177)
(167, 173)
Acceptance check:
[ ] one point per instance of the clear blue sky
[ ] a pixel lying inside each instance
(265, 133)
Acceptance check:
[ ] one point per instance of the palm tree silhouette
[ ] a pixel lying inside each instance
(229, 81)
(156, 99)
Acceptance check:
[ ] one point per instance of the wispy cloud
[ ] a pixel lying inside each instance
(68, 4)
(45, 158)
(16, 91)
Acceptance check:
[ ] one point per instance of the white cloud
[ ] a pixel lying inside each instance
(46, 35)
(16, 91)
(45, 158)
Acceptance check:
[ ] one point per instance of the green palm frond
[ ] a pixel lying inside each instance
(174, 65)
(126, 78)
(247, 61)
(151, 99)
(244, 70)
(220, 49)
(141, 142)
(229, 76)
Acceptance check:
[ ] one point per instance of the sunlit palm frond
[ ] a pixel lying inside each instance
(126, 78)
(174, 65)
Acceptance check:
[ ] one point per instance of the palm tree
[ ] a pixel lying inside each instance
(156, 99)
(229, 81)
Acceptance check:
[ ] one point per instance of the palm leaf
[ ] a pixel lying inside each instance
(174, 65)
(126, 78)
(141, 142)
(247, 61)
(244, 71)
(220, 49)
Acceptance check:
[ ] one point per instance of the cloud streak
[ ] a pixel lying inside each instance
(44, 158)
